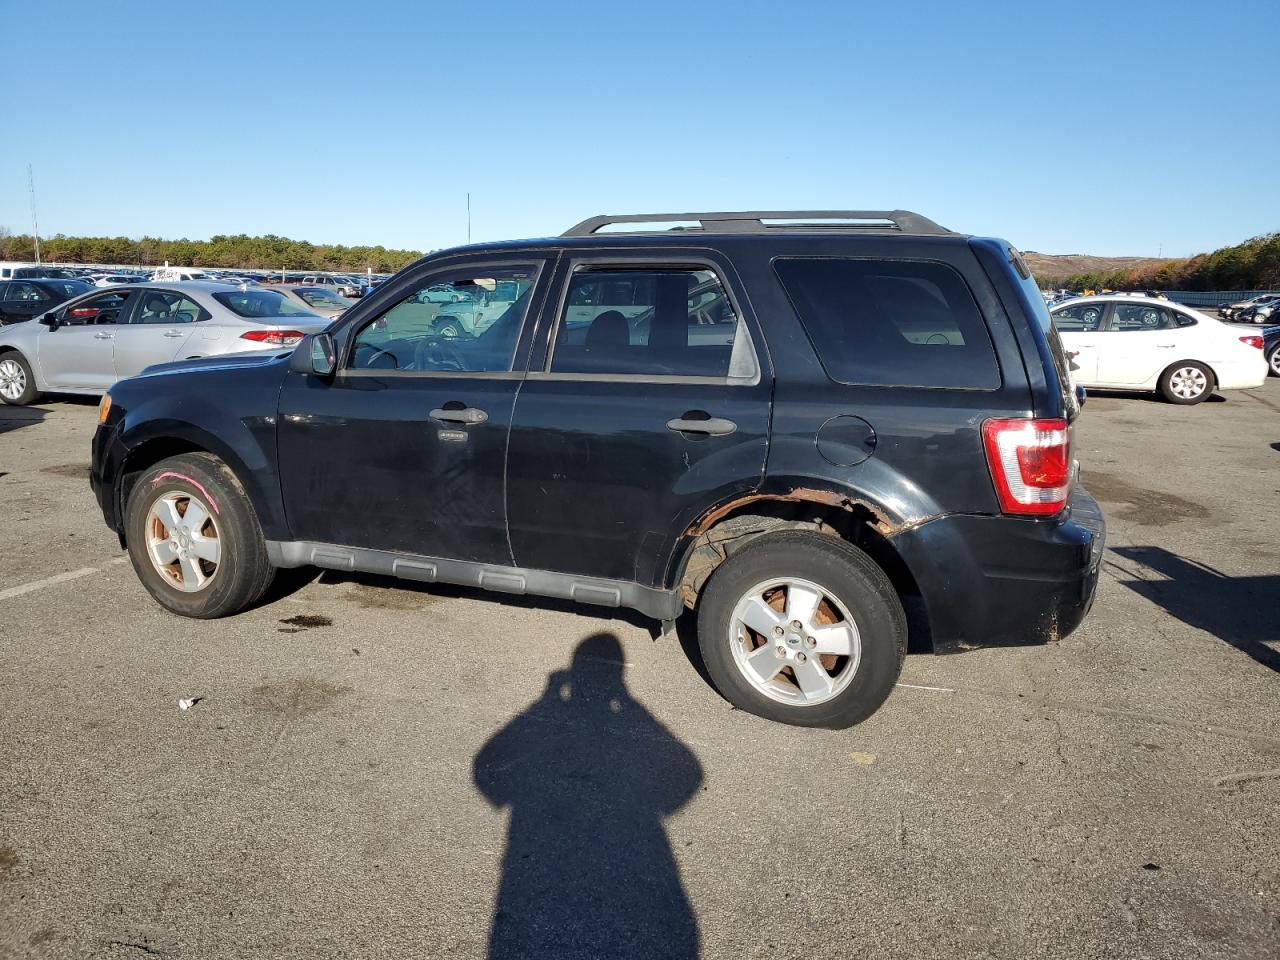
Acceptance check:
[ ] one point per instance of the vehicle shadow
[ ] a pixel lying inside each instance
(1146, 397)
(15, 418)
(589, 775)
(1276, 446)
(1236, 610)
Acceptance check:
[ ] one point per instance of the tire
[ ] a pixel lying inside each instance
(192, 584)
(1273, 360)
(854, 591)
(1178, 382)
(447, 330)
(17, 380)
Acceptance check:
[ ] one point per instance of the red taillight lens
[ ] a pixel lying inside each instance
(283, 338)
(1252, 341)
(83, 312)
(1030, 463)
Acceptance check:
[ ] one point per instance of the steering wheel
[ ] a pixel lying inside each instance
(436, 353)
(376, 358)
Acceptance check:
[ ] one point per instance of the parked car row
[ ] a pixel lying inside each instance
(1257, 309)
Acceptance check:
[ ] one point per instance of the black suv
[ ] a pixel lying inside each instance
(785, 422)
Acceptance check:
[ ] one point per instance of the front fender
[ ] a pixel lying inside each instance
(245, 443)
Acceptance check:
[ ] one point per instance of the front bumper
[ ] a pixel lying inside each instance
(104, 469)
(989, 581)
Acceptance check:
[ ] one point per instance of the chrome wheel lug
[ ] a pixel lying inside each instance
(797, 625)
(810, 642)
(778, 632)
(801, 658)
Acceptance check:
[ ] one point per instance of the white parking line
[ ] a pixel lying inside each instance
(917, 686)
(19, 590)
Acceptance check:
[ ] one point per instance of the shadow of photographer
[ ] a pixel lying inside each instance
(589, 775)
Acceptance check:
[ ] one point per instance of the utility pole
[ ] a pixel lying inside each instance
(468, 216)
(35, 225)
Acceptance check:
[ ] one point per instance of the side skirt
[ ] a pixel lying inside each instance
(658, 604)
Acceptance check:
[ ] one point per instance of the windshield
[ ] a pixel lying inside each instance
(261, 304)
(69, 288)
(319, 297)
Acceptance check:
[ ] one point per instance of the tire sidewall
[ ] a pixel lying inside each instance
(236, 529)
(844, 572)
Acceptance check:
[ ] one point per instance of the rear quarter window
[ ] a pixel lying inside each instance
(891, 322)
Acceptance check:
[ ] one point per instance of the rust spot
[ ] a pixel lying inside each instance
(881, 524)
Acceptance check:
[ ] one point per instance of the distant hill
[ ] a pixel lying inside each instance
(1059, 266)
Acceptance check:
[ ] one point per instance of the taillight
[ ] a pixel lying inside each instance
(1252, 341)
(1030, 463)
(83, 312)
(282, 338)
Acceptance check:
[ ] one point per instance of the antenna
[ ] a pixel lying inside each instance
(35, 225)
(468, 216)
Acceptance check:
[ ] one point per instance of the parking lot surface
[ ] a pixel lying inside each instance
(374, 769)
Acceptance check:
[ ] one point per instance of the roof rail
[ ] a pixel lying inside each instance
(893, 221)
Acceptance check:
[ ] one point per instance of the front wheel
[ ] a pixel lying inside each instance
(802, 628)
(194, 538)
(17, 380)
(1187, 382)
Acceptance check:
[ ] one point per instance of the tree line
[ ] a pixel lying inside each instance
(238, 252)
(1252, 265)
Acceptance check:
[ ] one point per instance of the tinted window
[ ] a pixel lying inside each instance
(163, 306)
(25, 293)
(1079, 317)
(433, 331)
(668, 322)
(323, 298)
(261, 304)
(1131, 317)
(891, 322)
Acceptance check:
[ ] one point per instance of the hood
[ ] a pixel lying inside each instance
(231, 361)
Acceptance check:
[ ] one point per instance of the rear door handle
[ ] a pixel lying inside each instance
(103, 335)
(467, 415)
(173, 333)
(714, 426)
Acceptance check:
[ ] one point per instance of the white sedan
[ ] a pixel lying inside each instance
(1140, 343)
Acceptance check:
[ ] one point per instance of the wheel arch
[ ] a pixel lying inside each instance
(146, 451)
(728, 526)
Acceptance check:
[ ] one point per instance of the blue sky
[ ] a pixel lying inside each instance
(1108, 128)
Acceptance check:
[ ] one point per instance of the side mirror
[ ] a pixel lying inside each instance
(316, 355)
(1081, 395)
(50, 320)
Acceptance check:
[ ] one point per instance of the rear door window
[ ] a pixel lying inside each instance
(891, 322)
(653, 322)
(1079, 317)
(1137, 317)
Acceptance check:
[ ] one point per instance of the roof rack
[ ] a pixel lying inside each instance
(760, 221)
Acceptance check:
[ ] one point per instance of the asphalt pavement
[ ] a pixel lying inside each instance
(376, 769)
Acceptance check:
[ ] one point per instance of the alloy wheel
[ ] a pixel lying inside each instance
(183, 541)
(794, 642)
(13, 379)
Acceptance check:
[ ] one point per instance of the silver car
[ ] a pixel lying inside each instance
(87, 344)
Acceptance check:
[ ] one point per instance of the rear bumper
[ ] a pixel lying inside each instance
(1241, 374)
(990, 581)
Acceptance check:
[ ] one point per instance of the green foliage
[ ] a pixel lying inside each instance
(240, 252)
(1252, 265)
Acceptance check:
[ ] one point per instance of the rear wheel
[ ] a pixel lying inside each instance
(17, 381)
(1187, 382)
(194, 538)
(802, 628)
(1273, 359)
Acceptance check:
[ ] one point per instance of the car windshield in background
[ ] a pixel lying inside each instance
(260, 304)
(320, 297)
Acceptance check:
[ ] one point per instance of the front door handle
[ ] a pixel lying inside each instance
(173, 333)
(103, 335)
(713, 426)
(468, 415)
